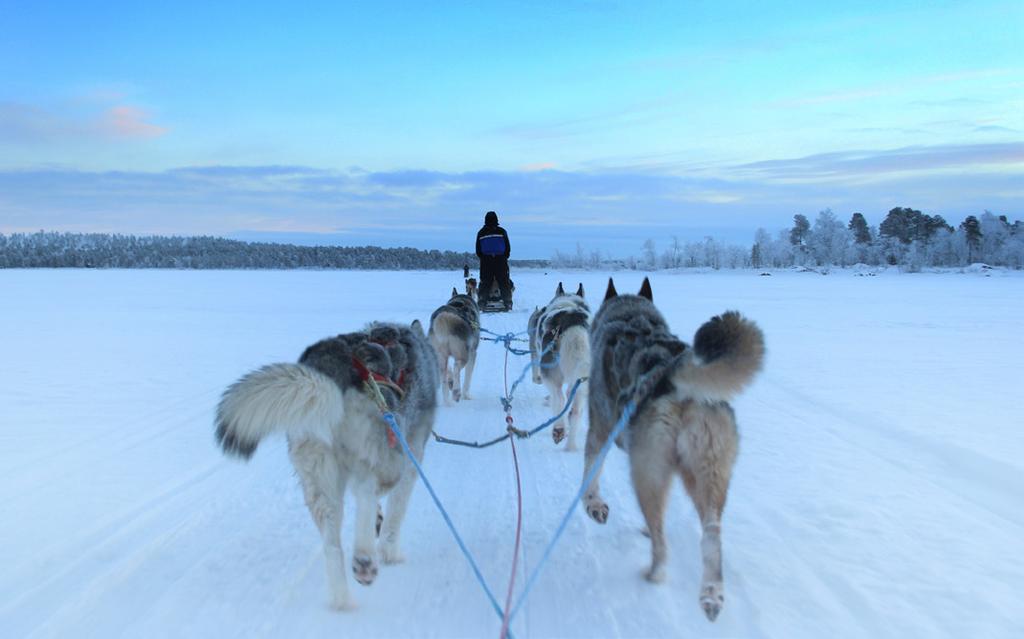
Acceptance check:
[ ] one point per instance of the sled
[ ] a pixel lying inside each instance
(494, 303)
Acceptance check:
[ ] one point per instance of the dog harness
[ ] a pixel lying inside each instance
(372, 381)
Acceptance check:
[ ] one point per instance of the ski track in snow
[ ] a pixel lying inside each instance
(876, 492)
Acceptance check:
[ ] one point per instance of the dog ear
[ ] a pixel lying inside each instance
(454, 291)
(611, 292)
(559, 290)
(417, 327)
(645, 290)
(579, 291)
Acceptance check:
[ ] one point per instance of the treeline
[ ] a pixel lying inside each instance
(99, 250)
(906, 238)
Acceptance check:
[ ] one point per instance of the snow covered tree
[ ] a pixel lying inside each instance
(650, 254)
(995, 232)
(972, 232)
(829, 240)
(798, 237)
(762, 249)
(859, 227)
(801, 227)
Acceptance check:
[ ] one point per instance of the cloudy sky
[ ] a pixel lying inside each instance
(604, 123)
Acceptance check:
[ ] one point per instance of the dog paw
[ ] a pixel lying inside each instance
(364, 569)
(390, 554)
(343, 603)
(655, 575)
(711, 600)
(558, 434)
(598, 511)
(466, 396)
(456, 394)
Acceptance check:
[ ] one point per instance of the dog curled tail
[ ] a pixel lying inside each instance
(292, 398)
(728, 350)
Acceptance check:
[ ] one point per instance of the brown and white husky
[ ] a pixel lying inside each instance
(683, 425)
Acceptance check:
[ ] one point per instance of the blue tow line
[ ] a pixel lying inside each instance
(627, 415)
(393, 425)
(507, 340)
(506, 402)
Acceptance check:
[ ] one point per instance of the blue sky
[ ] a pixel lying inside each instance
(595, 122)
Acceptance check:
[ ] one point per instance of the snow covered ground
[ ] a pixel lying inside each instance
(878, 490)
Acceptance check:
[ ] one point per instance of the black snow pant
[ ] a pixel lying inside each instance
(494, 268)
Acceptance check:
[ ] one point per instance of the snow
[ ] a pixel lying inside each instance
(877, 491)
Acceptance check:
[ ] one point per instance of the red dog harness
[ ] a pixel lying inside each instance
(365, 374)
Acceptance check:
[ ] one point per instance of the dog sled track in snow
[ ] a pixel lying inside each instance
(989, 485)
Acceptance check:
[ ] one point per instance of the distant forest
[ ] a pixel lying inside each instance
(906, 238)
(100, 250)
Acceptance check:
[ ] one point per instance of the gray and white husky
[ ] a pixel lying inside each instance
(455, 334)
(336, 436)
(683, 424)
(560, 353)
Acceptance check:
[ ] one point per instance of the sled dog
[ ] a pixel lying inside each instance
(455, 334)
(683, 422)
(337, 438)
(560, 352)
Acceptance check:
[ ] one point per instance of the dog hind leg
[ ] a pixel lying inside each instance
(323, 487)
(456, 379)
(575, 414)
(470, 365)
(364, 560)
(652, 478)
(597, 436)
(398, 502)
(445, 377)
(557, 403)
(706, 478)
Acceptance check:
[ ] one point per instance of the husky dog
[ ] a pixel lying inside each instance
(336, 437)
(560, 352)
(471, 289)
(683, 423)
(455, 333)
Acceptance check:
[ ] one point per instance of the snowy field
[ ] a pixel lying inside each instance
(878, 491)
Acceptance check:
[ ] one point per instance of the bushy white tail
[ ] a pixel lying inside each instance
(291, 398)
(728, 350)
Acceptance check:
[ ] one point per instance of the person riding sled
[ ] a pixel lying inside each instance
(493, 249)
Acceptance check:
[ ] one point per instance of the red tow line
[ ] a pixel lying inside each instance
(519, 514)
